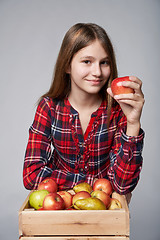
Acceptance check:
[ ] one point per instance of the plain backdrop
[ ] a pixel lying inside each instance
(31, 33)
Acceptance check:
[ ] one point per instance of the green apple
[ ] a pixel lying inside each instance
(36, 198)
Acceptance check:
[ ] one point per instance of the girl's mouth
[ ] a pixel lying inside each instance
(95, 82)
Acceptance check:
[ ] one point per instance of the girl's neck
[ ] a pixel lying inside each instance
(85, 102)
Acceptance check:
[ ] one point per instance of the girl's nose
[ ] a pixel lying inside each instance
(96, 71)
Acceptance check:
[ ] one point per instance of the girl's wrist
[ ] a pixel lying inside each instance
(133, 129)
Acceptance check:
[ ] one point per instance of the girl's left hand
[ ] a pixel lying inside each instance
(131, 103)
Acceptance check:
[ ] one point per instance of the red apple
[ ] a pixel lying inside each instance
(119, 89)
(104, 197)
(53, 201)
(67, 197)
(40, 209)
(48, 184)
(80, 195)
(104, 185)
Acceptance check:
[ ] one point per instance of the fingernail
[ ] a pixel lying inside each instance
(116, 96)
(119, 84)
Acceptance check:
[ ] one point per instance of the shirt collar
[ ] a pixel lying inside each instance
(98, 112)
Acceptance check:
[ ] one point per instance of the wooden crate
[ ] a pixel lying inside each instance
(76, 238)
(79, 224)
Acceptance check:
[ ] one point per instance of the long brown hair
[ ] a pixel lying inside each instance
(79, 36)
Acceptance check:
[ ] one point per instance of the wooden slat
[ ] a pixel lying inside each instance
(122, 199)
(74, 222)
(25, 205)
(77, 238)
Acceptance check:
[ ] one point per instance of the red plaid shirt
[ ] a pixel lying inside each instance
(58, 149)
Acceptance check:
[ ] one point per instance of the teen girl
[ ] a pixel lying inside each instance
(81, 131)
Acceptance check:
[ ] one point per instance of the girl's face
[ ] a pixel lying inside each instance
(89, 70)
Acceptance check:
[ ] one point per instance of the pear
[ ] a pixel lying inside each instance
(114, 204)
(82, 187)
(36, 198)
(89, 204)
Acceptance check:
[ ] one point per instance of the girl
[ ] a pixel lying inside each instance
(81, 131)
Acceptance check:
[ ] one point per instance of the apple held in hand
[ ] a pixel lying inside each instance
(117, 88)
(48, 184)
(104, 185)
(53, 201)
(104, 197)
(67, 197)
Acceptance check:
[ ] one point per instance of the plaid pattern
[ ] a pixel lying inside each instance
(57, 148)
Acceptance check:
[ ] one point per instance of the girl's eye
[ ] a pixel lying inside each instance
(87, 61)
(105, 62)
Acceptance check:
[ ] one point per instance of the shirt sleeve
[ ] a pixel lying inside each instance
(125, 159)
(38, 153)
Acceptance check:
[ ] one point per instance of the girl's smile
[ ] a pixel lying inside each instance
(95, 82)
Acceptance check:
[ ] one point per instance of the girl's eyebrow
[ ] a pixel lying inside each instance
(91, 57)
(86, 57)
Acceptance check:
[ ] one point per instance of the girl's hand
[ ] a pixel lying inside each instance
(131, 104)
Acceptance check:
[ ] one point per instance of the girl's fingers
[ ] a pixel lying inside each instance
(135, 79)
(128, 96)
(131, 99)
(136, 85)
(132, 103)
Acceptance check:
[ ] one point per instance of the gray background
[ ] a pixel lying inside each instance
(31, 32)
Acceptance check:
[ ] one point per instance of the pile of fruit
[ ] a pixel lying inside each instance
(83, 196)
